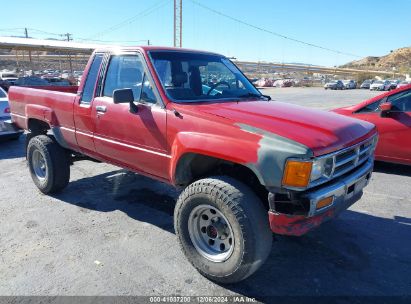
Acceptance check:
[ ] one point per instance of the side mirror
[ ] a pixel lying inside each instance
(123, 96)
(385, 109)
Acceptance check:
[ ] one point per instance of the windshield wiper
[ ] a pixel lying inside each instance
(255, 95)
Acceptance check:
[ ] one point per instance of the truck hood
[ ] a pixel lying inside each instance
(323, 132)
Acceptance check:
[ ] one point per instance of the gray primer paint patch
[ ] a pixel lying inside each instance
(273, 151)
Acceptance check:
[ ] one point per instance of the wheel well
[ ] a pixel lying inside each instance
(37, 127)
(193, 166)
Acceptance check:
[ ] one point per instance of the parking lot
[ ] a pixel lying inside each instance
(111, 233)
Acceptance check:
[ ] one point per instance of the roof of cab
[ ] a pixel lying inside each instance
(149, 48)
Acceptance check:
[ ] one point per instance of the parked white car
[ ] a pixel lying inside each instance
(8, 76)
(380, 85)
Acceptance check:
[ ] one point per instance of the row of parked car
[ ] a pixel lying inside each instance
(383, 85)
(40, 78)
(371, 84)
(281, 82)
(341, 85)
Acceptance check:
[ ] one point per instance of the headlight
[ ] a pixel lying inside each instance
(300, 173)
(322, 168)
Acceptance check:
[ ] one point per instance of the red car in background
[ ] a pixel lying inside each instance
(391, 113)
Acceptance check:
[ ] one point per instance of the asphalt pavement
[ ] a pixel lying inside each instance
(111, 233)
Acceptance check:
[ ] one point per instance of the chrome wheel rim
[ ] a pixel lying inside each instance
(211, 233)
(39, 165)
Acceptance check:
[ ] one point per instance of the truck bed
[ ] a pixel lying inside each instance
(52, 104)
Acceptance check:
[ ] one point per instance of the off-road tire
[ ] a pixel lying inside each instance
(245, 213)
(57, 164)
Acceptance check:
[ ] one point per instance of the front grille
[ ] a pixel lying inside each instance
(347, 160)
(352, 158)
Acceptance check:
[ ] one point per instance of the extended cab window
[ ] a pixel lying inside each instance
(127, 72)
(88, 90)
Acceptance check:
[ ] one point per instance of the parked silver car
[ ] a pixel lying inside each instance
(350, 84)
(367, 83)
(334, 85)
(7, 130)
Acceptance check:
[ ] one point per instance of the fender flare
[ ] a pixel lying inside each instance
(41, 113)
(214, 146)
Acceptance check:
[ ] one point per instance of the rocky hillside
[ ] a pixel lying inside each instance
(400, 58)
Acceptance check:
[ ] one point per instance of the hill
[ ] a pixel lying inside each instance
(400, 59)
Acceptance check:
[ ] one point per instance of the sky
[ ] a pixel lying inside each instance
(355, 28)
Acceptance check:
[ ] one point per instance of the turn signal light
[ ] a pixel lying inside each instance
(325, 202)
(7, 110)
(297, 173)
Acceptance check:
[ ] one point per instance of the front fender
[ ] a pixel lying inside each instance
(263, 152)
(235, 150)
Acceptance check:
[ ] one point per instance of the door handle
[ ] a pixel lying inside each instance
(101, 109)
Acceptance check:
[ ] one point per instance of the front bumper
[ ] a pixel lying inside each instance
(345, 192)
(7, 128)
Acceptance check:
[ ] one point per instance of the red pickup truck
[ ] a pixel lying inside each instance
(247, 166)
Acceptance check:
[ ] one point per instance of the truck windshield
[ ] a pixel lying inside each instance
(195, 77)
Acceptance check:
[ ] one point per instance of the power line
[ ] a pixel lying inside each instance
(70, 37)
(132, 19)
(24, 29)
(112, 41)
(47, 33)
(11, 29)
(271, 32)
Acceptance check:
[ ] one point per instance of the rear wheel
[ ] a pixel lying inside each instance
(48, 164)
(223, 229)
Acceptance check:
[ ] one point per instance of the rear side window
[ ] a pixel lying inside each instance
(88, 90)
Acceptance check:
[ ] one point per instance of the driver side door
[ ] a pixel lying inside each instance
(137, 140)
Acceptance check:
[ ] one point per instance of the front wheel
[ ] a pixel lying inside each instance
(48, 164)
(223, 229)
